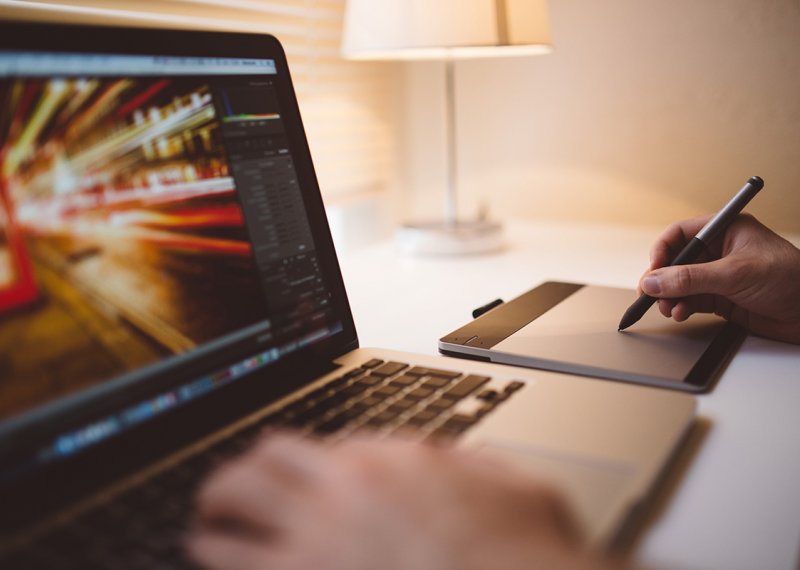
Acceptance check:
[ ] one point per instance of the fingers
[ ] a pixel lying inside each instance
(249, 512)
(303, 458)
(682, 309)
(258, 494)
(665, 306)
(244, 499)
(670, 243)
(713, 277)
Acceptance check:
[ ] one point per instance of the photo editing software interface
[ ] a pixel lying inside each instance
(149, 206)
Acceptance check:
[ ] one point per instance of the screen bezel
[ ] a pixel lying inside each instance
(273, 381)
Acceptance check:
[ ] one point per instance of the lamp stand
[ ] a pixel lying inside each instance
(451, 236)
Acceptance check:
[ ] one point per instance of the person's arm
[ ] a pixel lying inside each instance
(750, 277)
(363, 504)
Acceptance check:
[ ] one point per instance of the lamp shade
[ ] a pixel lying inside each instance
(440, 29)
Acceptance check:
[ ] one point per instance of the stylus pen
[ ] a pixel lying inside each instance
(698, 243)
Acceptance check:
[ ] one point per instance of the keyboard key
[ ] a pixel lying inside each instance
(402, 405)
(302, 421)
(298, 406)
(424, 371)
(419, 394)
(369, 402)
(355, 372)
(386, 391)
(370, 380)
(466, 386)
(459, 422)
(382, 419)
(442, 433)
(338, 421)
(404, 380)
(514, 386)
(436, 383)
(422, 418)
(318, 394)
(336, 400)
(354, 389)
(441, 404)
(489, 395)
(389, 369)
(337, 382)
(374, 363)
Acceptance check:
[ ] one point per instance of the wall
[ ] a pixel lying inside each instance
(646, 111)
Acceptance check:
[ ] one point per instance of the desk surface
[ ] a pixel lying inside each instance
(733, 498)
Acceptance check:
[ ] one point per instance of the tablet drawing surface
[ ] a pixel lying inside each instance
(580, 335)
(572, 328)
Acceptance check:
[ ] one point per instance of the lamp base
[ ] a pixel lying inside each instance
(450, 238)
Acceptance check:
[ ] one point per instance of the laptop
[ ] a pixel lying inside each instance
(181, 292)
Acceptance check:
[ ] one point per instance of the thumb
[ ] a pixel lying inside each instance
(686, 280)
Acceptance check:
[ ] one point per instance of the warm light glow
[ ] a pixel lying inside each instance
(438, 53)
(444, 29)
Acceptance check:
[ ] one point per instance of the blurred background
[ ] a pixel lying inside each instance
(644, 112)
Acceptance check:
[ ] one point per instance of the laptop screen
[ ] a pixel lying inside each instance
(150, 210)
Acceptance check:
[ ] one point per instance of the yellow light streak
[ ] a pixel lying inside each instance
(55, 92)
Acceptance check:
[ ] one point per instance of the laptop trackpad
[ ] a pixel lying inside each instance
(598, 491)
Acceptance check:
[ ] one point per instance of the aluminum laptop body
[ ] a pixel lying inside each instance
(169, 284)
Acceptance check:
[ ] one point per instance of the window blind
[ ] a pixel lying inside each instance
(346, 106)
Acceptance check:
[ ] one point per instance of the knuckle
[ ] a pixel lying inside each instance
(684, 279)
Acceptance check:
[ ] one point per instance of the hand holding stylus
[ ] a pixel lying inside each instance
(749, 275)
(697, 245)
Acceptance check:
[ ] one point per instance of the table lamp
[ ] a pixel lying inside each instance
(446, 30)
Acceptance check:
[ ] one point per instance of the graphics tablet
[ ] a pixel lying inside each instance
(568, 327)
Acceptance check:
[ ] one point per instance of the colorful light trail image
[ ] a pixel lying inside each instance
(117, 196)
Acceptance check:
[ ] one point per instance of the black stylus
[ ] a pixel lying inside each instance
(698, 243)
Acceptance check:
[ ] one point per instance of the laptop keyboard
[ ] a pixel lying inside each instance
(144, 526)
(394, 396)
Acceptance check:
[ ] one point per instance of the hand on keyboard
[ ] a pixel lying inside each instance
(294, 503)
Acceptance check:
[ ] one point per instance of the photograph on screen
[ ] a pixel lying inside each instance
(127, 213)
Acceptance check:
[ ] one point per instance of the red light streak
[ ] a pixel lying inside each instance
(140, 99)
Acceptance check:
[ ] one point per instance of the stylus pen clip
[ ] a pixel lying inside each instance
(486, 308)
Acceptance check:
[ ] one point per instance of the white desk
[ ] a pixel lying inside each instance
(733, 498)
